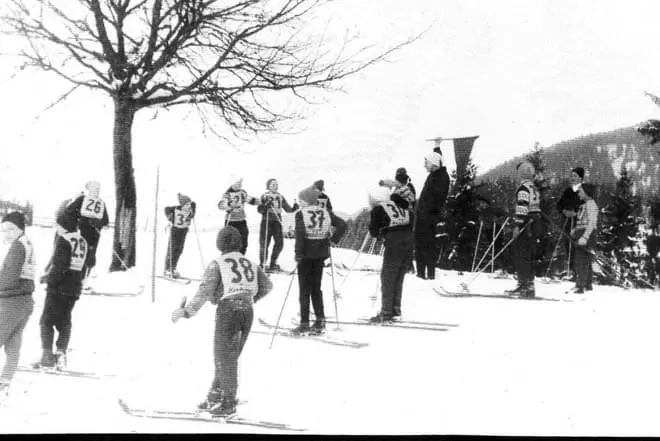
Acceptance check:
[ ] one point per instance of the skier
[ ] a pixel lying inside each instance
(271, 206)
(323, 200)
(90, 214)
(314, 232)
(63, 290)
(179, 217)
(527, 217)
(17, 268)
(233, 283)
(404, 191)
(233, 201)
(428, 214)
(569, 204)
(585, 235)
(391, 221)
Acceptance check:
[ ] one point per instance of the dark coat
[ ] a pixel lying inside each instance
(433, 196)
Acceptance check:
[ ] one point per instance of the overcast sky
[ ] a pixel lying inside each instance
(512, 72)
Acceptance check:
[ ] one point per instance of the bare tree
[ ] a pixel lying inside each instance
(227, 58)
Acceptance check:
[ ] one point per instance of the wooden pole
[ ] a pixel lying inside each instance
(153, 261)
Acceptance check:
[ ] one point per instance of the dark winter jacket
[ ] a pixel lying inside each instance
(433, 196)
(66, 271)
(272, 203)
(323, 201)
(178, 218)
(569, 201)
(83, 212)
(314, 232)
(388, 217)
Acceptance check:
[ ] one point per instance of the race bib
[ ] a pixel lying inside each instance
(78, 250)
(239, 275)
(92, 208)
(322, 203)
(317, 222)
(181, 218)
(398, 216)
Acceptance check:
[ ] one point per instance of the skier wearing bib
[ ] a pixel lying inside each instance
(272, 204)
(234, 284)
(314, 232)
(17, 268)
(527, 220)
(233, 202)
(392, 222)
(63, 290)
(179, 217)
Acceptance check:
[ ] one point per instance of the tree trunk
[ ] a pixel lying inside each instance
(123, 256)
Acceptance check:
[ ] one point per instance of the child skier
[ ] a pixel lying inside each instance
(17, 268)
(63, 290)
(391, 221)
(313, 236)
(179, 217)
(272, 204)
(233, 201)
(233, 283)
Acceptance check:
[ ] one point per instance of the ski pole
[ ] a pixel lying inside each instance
(493, 243)
(570, 246)
(264, 252)
(476, 249)
(492, 262)
(279, 317)
(465, 285)
(199, 246)
(364, 242)
(554, 252)
(334, 291)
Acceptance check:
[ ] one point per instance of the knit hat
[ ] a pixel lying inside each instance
(183, 199)
(319, 184)
(378, 195)
(17, 218)
(229, 239)
(401, 175)
(434, 158)
(525, 169)
(579, 171)
(309, 195)
(437, 150)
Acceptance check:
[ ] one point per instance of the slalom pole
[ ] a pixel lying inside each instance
(153, 260)
(492, 244)
(334, 291)
(554, 252)
(279, 317)
(492, 262)
(474, 258)
(199, 246)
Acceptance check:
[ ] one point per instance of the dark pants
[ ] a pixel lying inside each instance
(175, 247)
(310, 274)
(275, 231)
(56, 315)
(233, 321)
(583, 258)
(242, 228)
(524, 252)
(14, 315)
(396, 261)
(426, 250)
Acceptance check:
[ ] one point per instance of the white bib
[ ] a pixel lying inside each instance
(92, 208)
(398, 216)
(317, 222)
(78, 250)
(181, 219)
(27, 270)
(239, 275)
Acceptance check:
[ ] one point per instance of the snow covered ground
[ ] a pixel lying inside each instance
(567, 365)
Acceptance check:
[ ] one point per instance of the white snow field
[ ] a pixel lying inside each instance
(567, 365)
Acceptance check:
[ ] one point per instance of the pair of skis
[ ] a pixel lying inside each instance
(322, 337)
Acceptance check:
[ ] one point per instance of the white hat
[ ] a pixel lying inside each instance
(378, 194)
(434, 158)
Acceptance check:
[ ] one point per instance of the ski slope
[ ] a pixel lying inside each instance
(567, 365)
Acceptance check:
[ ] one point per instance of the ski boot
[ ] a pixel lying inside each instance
(224, 409)
(213, 398)
(528, 292)
(381, 318)
(60, 359)
(4, 394)
(318, 327)
(47, 361)
(273, 268)
(515, 291)
(302, 329)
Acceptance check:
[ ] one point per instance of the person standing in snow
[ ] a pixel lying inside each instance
(234, 284)
(404, 191)
(233, 201)
(569, 204)
(179, 217)
(17, 267)
(323, 199)
(271, 206)
(63, 290)
(585, 235)
(314, 232)
(391, 221)
(428, 214)
(526, 231)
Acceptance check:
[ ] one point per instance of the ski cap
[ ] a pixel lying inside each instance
(434, 158)
(15, 217)
(228, 240)
(319, 184)
(579, 171)
(377, 195)
(183, 199)
(309, 195)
